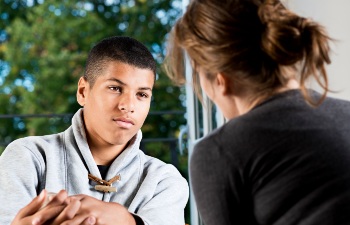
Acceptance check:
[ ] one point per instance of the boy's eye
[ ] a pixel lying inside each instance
(115, 88)
(143, 95)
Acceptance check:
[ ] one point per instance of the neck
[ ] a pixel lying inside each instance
(244, 103)
(291, 84)
(105, 155)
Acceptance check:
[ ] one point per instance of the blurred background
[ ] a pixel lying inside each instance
(334, 16)
(43, 48)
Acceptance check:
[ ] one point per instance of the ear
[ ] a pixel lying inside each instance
(224, 84)
(83, 87)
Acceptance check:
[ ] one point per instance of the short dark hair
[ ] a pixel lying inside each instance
(117, 48)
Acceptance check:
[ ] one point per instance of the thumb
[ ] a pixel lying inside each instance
(34, 205)
(89, 221)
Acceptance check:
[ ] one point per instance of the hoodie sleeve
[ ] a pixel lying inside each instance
(168, 195)
(20, 172)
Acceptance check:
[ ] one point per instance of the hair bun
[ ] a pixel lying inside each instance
(283, 37)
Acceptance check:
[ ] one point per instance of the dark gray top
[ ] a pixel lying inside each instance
(282, 163)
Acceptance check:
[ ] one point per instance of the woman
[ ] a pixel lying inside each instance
(283, 157)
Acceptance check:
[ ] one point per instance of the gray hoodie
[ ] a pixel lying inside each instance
(148, 187)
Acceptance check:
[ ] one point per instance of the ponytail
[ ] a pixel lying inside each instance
(288, 39)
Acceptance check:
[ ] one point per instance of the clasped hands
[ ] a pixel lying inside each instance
(72, 210)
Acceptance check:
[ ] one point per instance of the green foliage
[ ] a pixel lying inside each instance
(45, 48)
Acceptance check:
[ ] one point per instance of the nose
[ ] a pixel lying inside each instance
(126, 103)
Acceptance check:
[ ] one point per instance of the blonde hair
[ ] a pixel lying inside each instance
(259, 43)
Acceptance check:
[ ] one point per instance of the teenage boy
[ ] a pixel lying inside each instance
(95, 168)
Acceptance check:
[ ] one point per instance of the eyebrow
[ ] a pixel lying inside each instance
(124, 84)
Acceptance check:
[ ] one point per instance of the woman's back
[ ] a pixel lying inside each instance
(284, 162)
(277, 160)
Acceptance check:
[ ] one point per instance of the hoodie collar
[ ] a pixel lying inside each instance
(118, 164)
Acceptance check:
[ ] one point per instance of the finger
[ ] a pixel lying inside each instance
(54, 199)
(68, 213)
(79, 197)
(49, 196)
(89, 221)
(59, 198)
(46, 214)
(33, 206)
(81, 220)
(53, 209)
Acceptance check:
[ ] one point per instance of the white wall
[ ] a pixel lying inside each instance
(335, 16)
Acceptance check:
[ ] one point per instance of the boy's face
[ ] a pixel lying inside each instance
(117, 105)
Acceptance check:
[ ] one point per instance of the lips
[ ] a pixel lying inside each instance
(124, 122)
